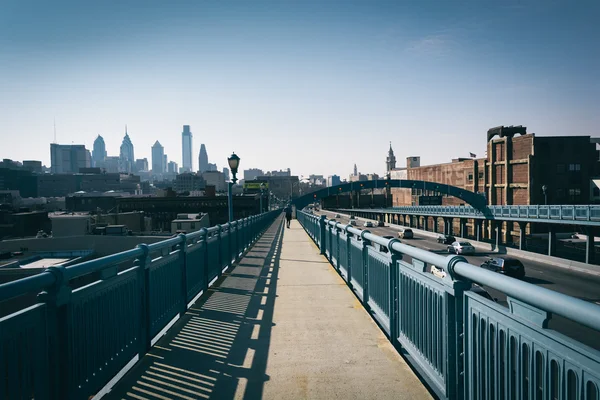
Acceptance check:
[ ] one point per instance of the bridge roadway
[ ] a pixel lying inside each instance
(572, 283)
(281, 324)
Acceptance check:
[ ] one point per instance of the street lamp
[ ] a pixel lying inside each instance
(544, 189)
(262, 190)
(234, 162)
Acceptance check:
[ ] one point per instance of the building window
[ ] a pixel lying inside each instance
(480, 175)
(560, 168)
(470, 178)
(574, 167)
(574, 194)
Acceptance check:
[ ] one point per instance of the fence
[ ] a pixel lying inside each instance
(464, 345)
(73, 342)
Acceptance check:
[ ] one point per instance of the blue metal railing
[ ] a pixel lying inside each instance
(74, 341)
(587, 214)
(464, 345)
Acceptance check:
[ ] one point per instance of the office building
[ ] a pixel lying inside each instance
(186, 148)
(212, 167)
(112, 164)
(333, 180)
(33, 166)
(172, 167)
(216, 179)
(126, 156)
(203, 159)
(252, 173)
(141, 164)
(68, 158)
(158, 158)
(189, 182)
(226, 174)
(390, 161)
(99, 152)
(165, 163)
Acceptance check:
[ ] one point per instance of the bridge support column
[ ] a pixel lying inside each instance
(448, 226)
(522, 233)
(463, 227)
(551, 241)
(435, 224)
(590, 249)
(496, 233)
(477, 224)
(426, 223)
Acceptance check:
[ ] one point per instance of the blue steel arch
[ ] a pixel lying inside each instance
(474, 199)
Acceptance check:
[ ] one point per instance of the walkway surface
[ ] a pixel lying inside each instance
(281, 325)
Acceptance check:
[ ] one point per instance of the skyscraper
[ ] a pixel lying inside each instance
(99, 152)
(165, 163)
(126, 157)
(226, 173)
(390, 162)
(203, 159)
(355, 170)
(158, 158)
(68, 158)
(186, 148)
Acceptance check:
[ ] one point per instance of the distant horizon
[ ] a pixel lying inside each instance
(311, 86)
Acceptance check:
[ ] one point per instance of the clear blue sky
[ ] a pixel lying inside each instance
(311, 85)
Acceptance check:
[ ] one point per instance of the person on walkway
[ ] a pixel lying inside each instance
(288, 215)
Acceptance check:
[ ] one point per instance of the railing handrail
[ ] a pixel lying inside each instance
(47, 279)
(578, 310)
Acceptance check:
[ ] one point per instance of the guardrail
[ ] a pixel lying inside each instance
(582, 213)
(464, 345)
(73, 342)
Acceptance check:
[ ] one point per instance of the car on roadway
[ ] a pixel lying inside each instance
(505, 265)
(461, 248)
(338, 216)
(352, 217)
(446, 239)
(384, 249)
(405, 233)
(380, 223)
(368, 224)
(353, 222)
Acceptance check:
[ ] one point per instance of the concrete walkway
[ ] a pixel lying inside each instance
(281, 325)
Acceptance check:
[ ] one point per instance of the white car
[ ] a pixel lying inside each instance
(461, 248)
(368, 224)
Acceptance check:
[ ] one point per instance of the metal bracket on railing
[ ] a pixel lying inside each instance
(60, 292)
(452, 261)
(398, 256)
(362, 236)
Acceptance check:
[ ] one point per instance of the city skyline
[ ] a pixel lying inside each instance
(314, 88)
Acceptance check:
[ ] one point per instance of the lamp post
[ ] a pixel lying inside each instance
(262, 190)
(544, 189)
(234, 162)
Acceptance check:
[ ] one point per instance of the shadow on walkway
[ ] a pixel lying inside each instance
(219, 349)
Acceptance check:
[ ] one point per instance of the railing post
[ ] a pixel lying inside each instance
(365, 263)
(322, 233)
(184, 266)
(219, 244)
(393, 280)
(56, 299)
(142, 277)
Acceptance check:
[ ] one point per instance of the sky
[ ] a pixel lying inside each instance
(314, 86)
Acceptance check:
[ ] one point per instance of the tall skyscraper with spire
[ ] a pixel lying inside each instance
(355, 170)
(390, 161)
(99, 152)
(158, 158)
(186, 148)
(126, 156)
(203, 159)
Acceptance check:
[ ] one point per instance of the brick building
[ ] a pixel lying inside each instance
(519, 169)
